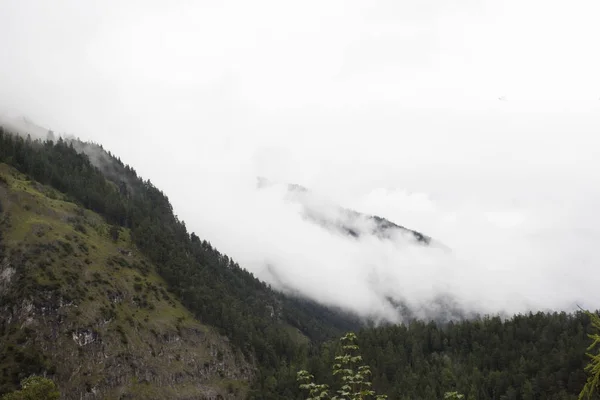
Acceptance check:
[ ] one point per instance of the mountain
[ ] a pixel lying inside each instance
(75, 291)
(213, 294)
(354, 227)
(342, 220)
(104, 291)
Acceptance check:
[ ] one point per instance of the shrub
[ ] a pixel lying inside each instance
(35, 387)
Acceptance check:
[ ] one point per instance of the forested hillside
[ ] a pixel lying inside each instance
(268, 327)
(81, 304)
(535, 356)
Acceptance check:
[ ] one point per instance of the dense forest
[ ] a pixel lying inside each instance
(211, 285)
(535, 356)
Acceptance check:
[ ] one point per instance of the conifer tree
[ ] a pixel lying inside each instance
(593, 368)
(355, 378)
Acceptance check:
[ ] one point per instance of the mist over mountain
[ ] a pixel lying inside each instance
(391, 111)
(269, 328)
(333, 221)
(23, 125)
(345, 221)
(300, 241)
(421, 160)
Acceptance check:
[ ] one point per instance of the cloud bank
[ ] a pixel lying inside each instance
(389, 109)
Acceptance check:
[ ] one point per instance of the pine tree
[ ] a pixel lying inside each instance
(593, 368)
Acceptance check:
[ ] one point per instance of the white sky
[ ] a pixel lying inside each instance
(389, 107)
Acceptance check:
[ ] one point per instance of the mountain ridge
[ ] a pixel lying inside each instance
(265, 326)
(264, 337)
(346, 220)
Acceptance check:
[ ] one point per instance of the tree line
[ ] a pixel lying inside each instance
(533, 356)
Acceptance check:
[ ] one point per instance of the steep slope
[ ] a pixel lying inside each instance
(269, 328)
(95, 271)
(80, 303)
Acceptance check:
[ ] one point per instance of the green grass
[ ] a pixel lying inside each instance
(297, 336)
(66, 256)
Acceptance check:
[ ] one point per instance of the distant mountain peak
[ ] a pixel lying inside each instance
(333, 217)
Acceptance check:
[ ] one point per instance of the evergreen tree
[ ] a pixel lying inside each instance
(355, 381)
(592, 384)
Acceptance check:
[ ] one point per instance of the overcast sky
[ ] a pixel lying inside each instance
(475, 122)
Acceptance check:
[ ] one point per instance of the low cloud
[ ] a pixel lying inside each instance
(390, 110)
(512, 253)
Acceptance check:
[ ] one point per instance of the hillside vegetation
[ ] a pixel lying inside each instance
(533, 356)
(268, 328)
(104, 290)
(83, 305)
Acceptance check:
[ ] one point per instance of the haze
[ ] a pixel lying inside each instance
(474, 122)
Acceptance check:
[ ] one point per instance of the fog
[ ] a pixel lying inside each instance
(475, 123)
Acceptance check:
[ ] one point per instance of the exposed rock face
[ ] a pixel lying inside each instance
(78, 308)
(6, 274)
(94, 363)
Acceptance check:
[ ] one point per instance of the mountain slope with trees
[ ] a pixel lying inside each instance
(81, 304)
(270, 335)
(533, 356)
(266, 326)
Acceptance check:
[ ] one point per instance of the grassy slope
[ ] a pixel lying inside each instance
(92, 313)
